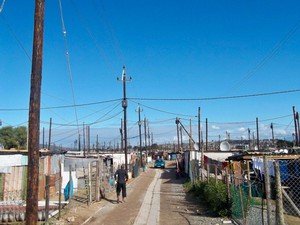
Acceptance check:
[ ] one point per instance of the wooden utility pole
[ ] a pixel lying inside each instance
(178, 140)
(97, 143)
(249, 139)
(181, 141)
(272, 128)
(124, 105)
(83, 140)
(145, 128)
(191, 142)
(43, 138)
(296, 130)
(34, 116)
(88, 139)
(140, 133)
(297, 118)
(206, 136)
(257, 133)
(50, 128)
(121, 133)
(199, 129)
(79, 148)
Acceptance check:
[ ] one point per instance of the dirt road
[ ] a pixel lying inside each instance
(155, 197)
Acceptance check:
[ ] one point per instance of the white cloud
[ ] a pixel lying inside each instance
(242, 129)
(214, 127)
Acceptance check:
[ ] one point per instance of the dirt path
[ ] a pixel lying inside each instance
(155, 197)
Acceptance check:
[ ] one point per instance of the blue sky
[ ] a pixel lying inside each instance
(172, 49)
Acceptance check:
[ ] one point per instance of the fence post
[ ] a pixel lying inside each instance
(47, 187)
(267, 189)
(97, 181)
(279, 201)
(227, 185)
(70, 180)
(59, 191)
(242, 204)
(90, 183)
(249, 180)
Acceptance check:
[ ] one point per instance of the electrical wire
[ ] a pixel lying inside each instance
(159, 110)
(15, 37)
(93, 37)
(162, 99)
(64, 106)
(216, 98)
(268, 57)
(68, 61)
(2, 5)
(106, 22)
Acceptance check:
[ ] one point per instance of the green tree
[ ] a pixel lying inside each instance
(13, 137)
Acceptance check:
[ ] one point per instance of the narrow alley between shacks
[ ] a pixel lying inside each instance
(155, 197)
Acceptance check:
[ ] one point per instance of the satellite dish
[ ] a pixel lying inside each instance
(225, 146)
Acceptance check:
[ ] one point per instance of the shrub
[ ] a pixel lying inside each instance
(215, 196)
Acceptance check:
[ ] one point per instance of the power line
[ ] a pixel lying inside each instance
(217, 98)
(68, 62)
(159, 110)
(64, 106)
(162, 99)
(2, 5)
(271, 54)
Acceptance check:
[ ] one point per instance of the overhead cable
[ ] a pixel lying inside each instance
(216, 98)
(68, 62)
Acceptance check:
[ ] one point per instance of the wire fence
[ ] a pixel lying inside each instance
(260, 190)
(61, 180)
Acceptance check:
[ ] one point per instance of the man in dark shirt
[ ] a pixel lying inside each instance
(121, 176)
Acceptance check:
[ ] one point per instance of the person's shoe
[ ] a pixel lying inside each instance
(123, 200)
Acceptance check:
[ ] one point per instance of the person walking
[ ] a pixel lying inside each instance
(144, 164)
(121, 176)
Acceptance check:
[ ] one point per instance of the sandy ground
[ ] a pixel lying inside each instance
(155, 197)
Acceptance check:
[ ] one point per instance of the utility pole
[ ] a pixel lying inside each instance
(124, 105)
(191, 143)
(79, 149)
(181, 141)
(199, 130)
(140, 133)
(97, 143)
(297, 118)
(206, 122)
(50, 128)
(249, 138)
(83, 140)
(177, 125)
(145, 128)
(148, 134)
(121, 134)
(43, 138)
(88, 139)
(257, 133)
(272, 128)
(34, 116)
(296, 130)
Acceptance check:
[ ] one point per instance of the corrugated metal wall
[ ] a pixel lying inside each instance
(12, 185)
